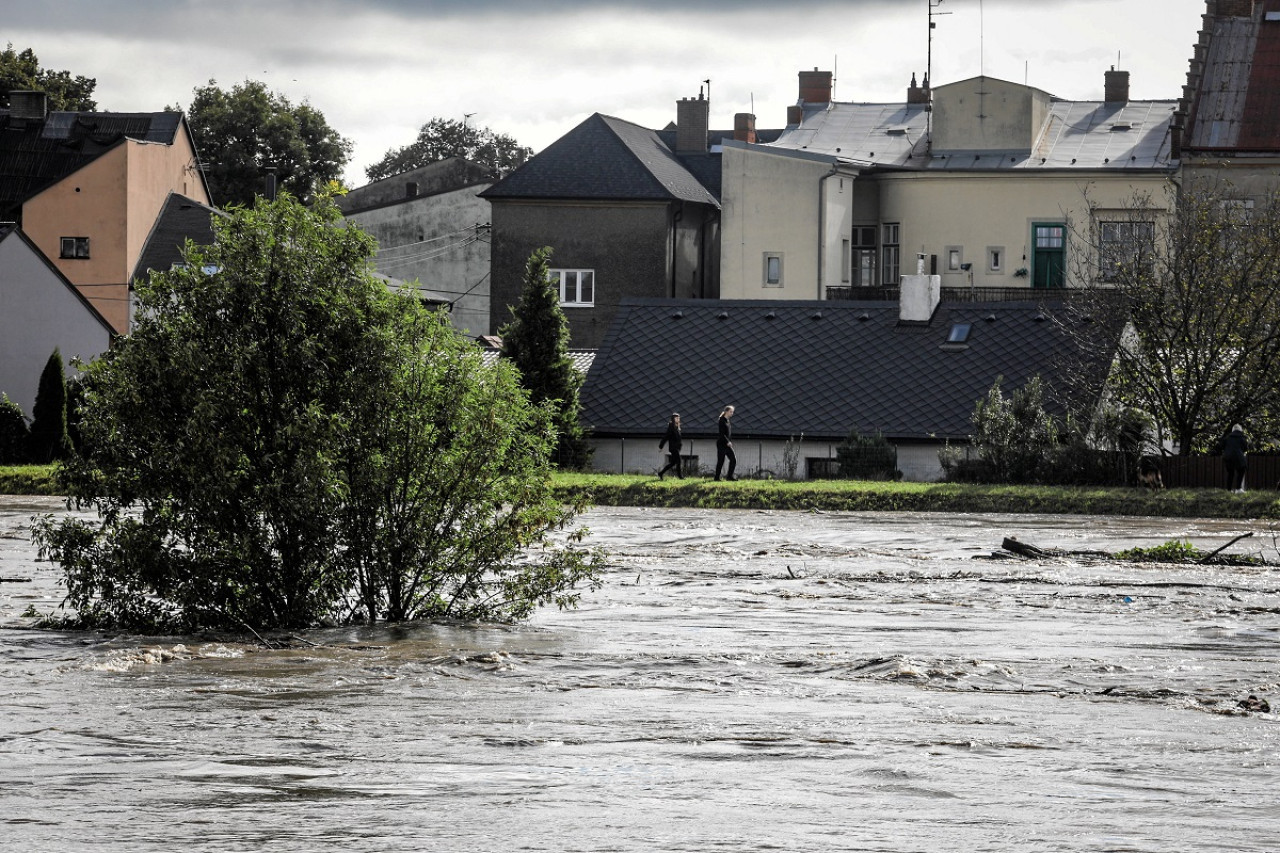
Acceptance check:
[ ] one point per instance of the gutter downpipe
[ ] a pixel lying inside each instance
(676, 219)
(822, 223)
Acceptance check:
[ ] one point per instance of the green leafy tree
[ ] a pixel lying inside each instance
(281, 441)
(241, 132)
(21, 71)
(1014, 435)
(49, 438)
(441, 138)
(867, 457)
(1197, 275)
(537, 342)
(14, 433)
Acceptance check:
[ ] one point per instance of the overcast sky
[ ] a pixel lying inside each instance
(379, 69)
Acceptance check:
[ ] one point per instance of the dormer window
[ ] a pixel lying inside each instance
(959, 333)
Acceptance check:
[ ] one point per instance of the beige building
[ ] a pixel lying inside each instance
(998, 186)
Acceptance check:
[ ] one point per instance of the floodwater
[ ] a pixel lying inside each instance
(744, 681)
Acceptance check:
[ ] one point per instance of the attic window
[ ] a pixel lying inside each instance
(959, 333)
(897, 130)
(1122, 125)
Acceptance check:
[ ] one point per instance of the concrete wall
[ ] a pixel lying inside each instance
(788, 203)
(917, 462)
(627, 244)
(41, 312)
(441, 241)
(984, 113)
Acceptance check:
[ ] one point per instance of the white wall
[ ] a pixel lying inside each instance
(917, 462)
(38, 312)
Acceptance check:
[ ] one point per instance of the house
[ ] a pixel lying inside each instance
(1230, 107)
(910, 369)
(42, 311)
(992, 182)
(627, 211)
(432, 228)
(86, 189)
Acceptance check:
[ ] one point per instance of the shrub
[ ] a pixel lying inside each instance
(867, 457)
(14, 435)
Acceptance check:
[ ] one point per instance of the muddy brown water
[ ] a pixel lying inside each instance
(743, 681)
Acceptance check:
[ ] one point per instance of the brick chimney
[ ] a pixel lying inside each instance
(795, 114)
(815, 87)
(693, 118)
(1233, 8)
(917, 94)
(1116, 87)
(28, 105)
(744, 127)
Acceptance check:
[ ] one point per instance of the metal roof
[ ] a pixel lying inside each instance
(1237, 102)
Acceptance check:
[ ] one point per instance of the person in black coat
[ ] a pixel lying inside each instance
(724, 445)
(673, 444)
(1234, 447)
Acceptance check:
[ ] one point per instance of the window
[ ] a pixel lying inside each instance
(891, 252)
(1121, 245)
(577, 287)
(864, 256)
(959, 333)
(773, 269)
(1049, 254)
(846, 262)
(995, 259)
(955, 258)
(75, 247)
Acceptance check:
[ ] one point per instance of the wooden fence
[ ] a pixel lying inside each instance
(1207, 472)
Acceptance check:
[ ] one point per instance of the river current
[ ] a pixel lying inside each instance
(743, 681)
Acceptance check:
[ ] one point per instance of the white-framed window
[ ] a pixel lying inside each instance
(864, 255)
(772, 273)
(995, 259)
(955, 258)
(74, 247)
(577, 287)
(1122, 244)
(891, 252)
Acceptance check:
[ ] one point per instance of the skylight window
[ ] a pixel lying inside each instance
(959, 333)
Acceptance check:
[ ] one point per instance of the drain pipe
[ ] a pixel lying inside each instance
(822, 224)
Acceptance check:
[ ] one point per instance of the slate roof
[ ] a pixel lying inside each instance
(180, 219)
(1237, 101)
(606, 158)
(820, 368)
(35, 154)
(1076, 135)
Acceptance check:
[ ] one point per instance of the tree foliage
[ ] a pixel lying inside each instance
(441, 138)
(20, 70)
(1198, 277)
(49, 438)
(537, 343)
(867, 457)
(14, 433)
(241, 132)
(281, 441)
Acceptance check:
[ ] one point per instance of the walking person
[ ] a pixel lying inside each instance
(1234, 448)
(673, 444)
(724, 445)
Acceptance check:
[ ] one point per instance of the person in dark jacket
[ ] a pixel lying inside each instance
(724, 445)
(673, 444)
(1234, 447)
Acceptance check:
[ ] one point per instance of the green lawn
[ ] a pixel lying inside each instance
(850, 495)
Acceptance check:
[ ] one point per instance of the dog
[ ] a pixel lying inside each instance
(1149, 474)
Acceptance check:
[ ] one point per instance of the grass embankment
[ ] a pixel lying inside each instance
(856, 496)
(850, 496)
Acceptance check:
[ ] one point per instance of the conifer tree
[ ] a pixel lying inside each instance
(537, 341)
(49, 438)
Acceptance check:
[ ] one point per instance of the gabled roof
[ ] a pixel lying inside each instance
(447, 175)
(35, 154)
(1237, 101)
(180, 219)
(821, 368)
(1076, 135)
(608, 159)
(10, 232)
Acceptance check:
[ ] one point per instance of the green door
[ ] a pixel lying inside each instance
(1049, 254)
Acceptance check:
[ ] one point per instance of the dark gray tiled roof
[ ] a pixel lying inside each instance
(820, 368)
(35, 154)
(180, 219)
(605, 158)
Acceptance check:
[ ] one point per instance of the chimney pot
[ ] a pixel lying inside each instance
(25, 104)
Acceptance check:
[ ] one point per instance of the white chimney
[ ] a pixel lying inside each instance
(919, 295)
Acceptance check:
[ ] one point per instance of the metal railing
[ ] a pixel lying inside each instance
(953, 294)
